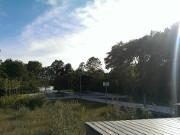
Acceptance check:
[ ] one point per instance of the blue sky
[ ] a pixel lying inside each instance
(75, 30)
(16, 14)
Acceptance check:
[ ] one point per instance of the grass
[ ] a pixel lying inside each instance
(60, 117)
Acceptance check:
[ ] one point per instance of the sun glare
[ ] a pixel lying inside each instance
(176, 69)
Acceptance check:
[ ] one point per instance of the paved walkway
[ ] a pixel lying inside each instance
(97, 97)
(159, 109)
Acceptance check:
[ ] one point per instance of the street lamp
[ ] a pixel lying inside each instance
(81, 69)
(80, 86)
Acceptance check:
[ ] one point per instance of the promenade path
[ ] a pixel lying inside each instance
(100, 97)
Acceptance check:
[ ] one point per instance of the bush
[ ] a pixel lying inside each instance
(15, 102)
(126, 113)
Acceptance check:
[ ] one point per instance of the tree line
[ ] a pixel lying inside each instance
(144, 65)
(17, 77)
(137, 67)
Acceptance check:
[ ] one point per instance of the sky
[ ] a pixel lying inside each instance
(75, 30)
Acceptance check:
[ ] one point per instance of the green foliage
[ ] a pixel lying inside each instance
(81, 66)
(125, 113)
(67, 68)
(2, 87)
(30, 86)
(69, 118)
(14, 68)
(34, 68)
(93, 64)
(61, 117)
(58, 67)
(44, 83)
(90, 74)
(47, 73)
(61, 72)
(18, 77)
(7, 86)
(143, 65)
(16, 102)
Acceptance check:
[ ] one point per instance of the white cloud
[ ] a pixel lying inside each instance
(49, 2)
(92, 30)
(44, 26)
(53, 2)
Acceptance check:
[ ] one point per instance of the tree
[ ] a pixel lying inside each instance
(15, 69)
(82, 66)
(58, 67)
(67, 68)
(61, 74)
(2, 87)
(93, 64)
(47, 73)
(147, 62)
(34, 67)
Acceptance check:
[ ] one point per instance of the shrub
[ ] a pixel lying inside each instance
(126, 113)
(17, 101)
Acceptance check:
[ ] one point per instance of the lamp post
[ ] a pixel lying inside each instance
(80, 86)
(81, 71)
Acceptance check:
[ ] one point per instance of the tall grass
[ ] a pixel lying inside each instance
(60, 117)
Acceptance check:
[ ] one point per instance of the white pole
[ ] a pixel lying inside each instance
(106, 94)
